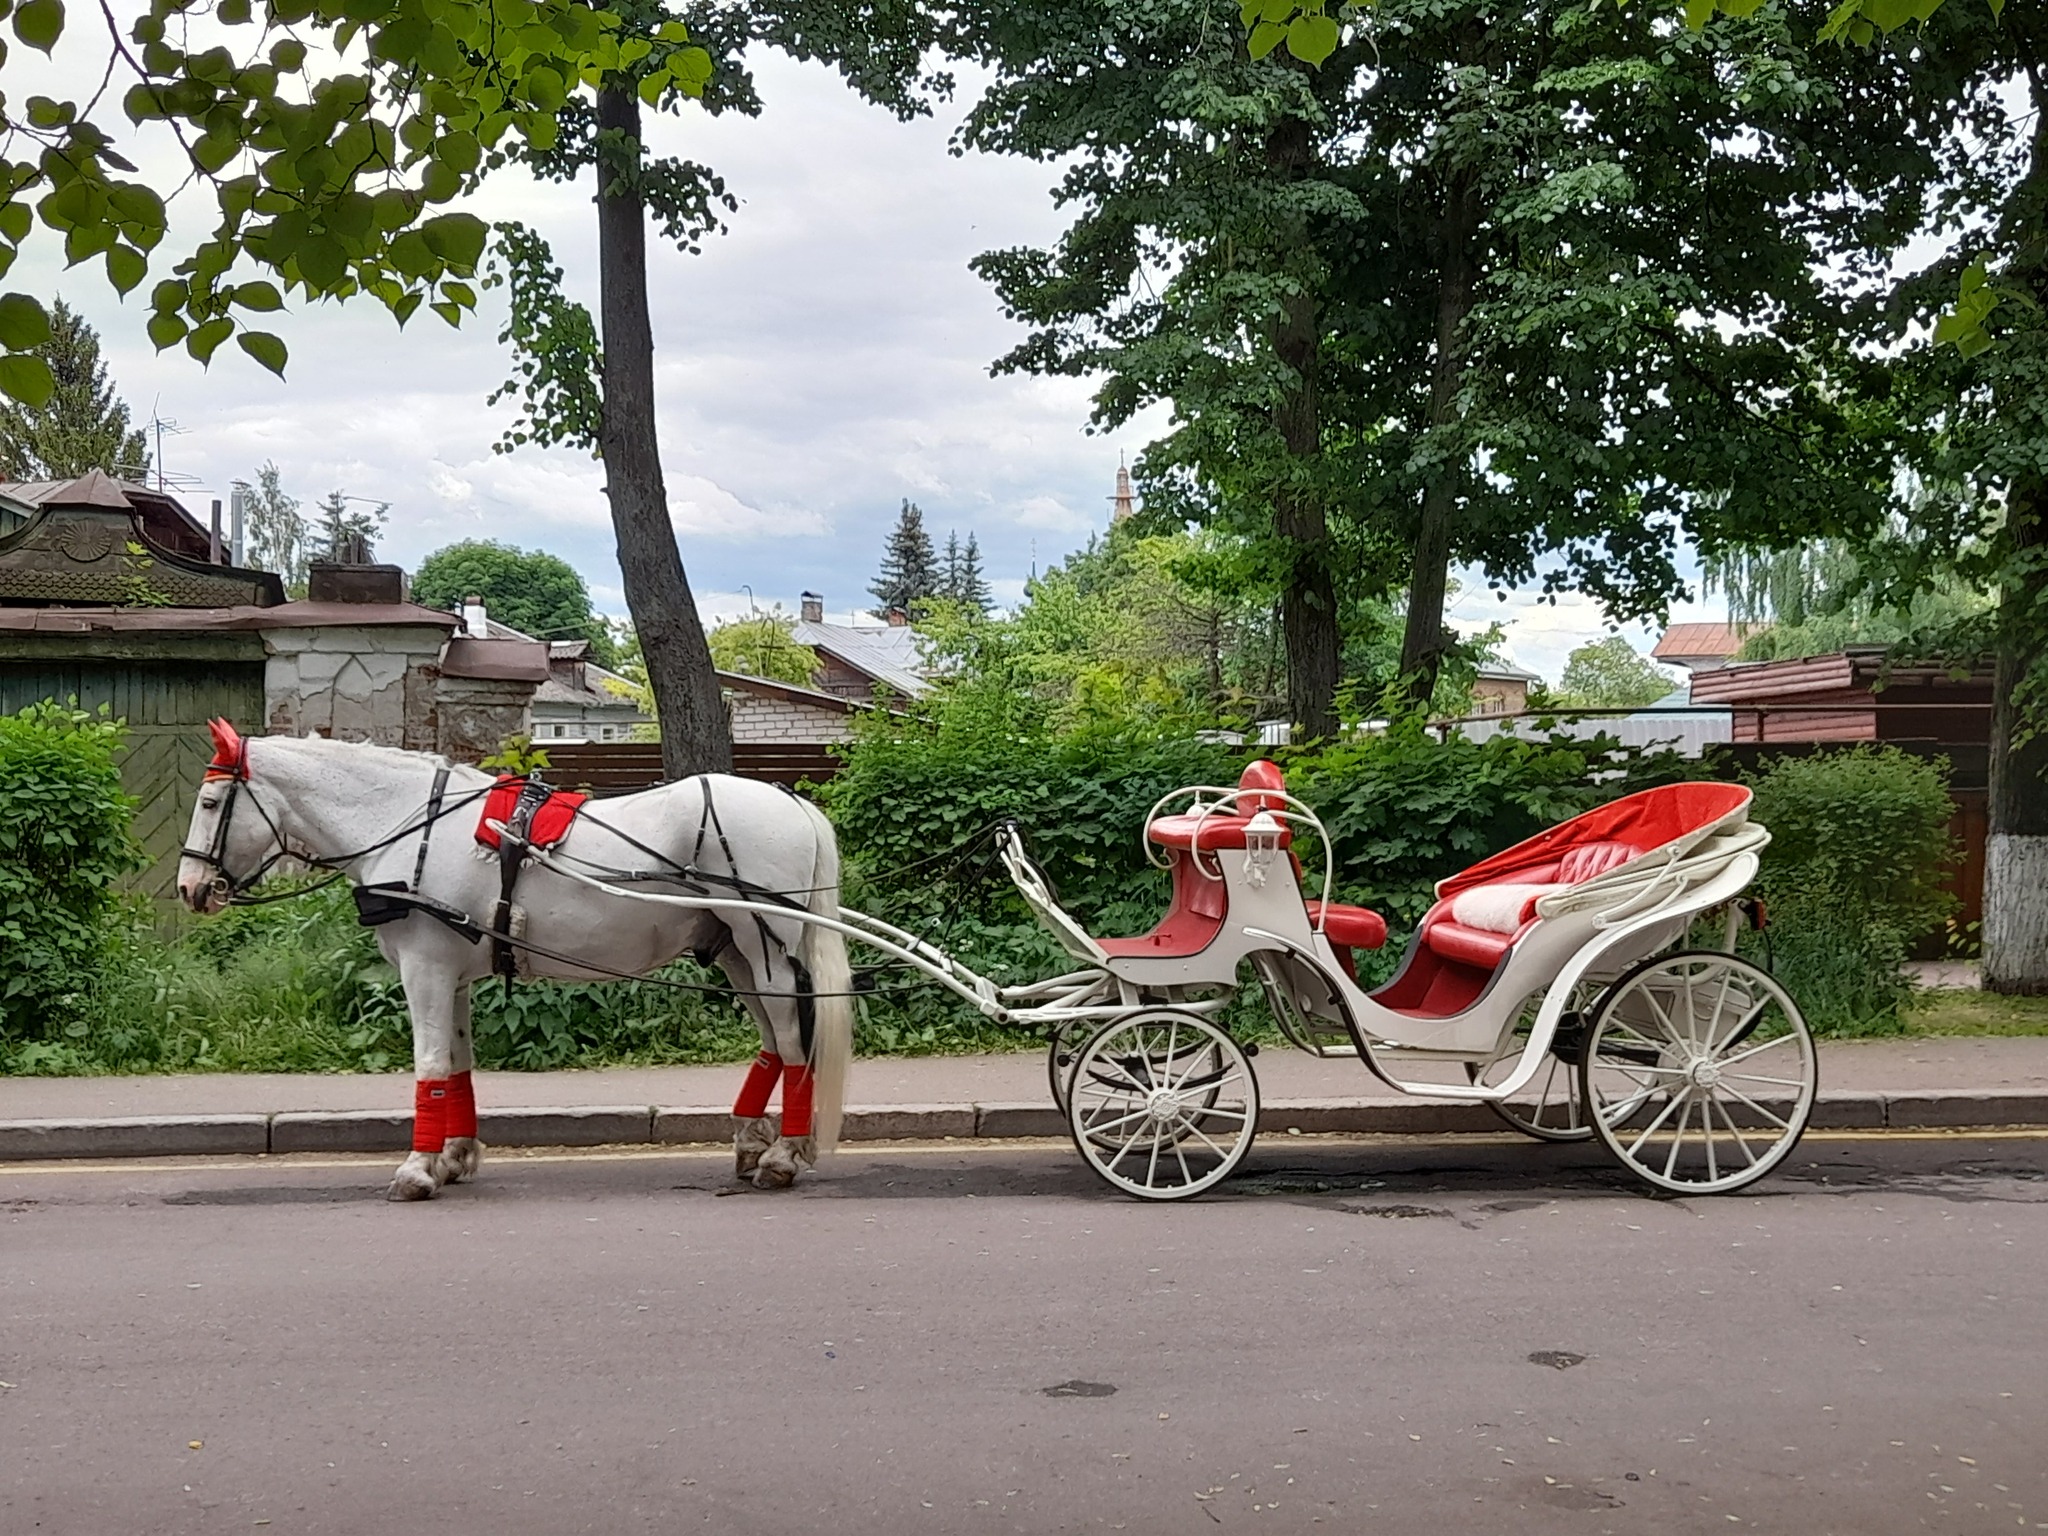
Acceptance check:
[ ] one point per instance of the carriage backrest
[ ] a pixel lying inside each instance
(1673, 817)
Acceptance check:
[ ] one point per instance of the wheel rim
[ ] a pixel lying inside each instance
(1549, 1108)
(1163, 1105)
(1702, 1072)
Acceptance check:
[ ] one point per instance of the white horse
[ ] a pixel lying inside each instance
(369, 812)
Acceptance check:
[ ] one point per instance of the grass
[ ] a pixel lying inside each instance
(1956, 1011)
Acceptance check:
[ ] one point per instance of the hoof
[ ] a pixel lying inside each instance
(411, 1184)
(782, 1162)
(750, 1139)
(460, 1159)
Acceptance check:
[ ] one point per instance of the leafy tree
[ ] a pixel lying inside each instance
(910, 572)
(535, 592)
(348, 534)
(961, 579)
(592, 384)
(1470, 241)
(764, 645)
(82, 425)
(323, 141)
(1610, 674)
(275, 528)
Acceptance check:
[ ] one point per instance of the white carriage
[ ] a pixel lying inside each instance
(1552, 979)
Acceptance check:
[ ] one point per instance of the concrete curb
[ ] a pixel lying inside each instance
(635, 1124)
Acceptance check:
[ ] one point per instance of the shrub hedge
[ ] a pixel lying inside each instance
(65, 840)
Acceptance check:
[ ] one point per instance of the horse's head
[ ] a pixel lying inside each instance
(234, 839)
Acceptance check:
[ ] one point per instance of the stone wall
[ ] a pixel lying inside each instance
(383, 683)
(757, 717)
(374, 683)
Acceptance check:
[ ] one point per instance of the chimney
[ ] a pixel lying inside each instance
(475, 623)
(813, 607)
(213, 544)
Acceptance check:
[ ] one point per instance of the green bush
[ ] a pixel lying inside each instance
(64, 842)
(1855, 874)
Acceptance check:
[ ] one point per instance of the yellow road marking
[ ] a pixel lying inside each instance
(701, 1152)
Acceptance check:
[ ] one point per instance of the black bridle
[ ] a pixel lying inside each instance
(235, 774)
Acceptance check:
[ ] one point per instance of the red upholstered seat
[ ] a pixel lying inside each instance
(1590, 859)
(1352, 927)
(1468, 946)
(1219, 829)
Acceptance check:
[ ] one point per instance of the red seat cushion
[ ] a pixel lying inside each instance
(1353, 927)
(1207, 833)
(1260, 774)
(1590, 859)
(1469, 946)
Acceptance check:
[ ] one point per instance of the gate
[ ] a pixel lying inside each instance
(166, 705)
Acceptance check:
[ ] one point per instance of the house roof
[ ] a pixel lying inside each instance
(888, 654)
(302, 615)
(161, 513)
(1708, 641)
(770, 688)
(1507, 672)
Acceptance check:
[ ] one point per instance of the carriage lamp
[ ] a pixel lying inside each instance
(1261, 847)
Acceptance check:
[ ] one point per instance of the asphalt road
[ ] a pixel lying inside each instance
(1401, 1336)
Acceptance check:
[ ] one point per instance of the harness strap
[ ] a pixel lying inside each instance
(511, 859)
(419, 865)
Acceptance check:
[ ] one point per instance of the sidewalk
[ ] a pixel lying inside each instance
(1868, 1084)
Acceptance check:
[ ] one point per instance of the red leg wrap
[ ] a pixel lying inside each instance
(461, 1116)
(796, 1099)
(429, 1114)
(752, 1103)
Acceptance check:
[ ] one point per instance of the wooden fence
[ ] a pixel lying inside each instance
(620, 767)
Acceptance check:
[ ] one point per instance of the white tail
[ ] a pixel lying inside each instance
(824, 956)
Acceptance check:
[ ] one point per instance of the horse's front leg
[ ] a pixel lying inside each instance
(461, 1152)
(431, 992)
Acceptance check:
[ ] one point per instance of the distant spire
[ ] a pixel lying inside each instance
(1124, 505)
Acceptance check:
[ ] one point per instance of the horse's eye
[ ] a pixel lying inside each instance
(210, 805)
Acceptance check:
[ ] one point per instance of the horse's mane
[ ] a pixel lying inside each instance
(395, 757)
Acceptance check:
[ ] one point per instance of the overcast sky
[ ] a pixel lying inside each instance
(820, 362)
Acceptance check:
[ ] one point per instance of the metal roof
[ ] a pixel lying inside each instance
(887, 653)
(1708, 640)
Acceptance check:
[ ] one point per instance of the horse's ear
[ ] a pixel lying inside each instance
(227, 745)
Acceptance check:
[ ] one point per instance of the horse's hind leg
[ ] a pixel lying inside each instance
(753, 1132)
(461, 1152)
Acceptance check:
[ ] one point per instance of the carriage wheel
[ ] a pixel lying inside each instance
(1163, 1104)
(1556, 1114)
(1060, 1055)
(1701, 1072)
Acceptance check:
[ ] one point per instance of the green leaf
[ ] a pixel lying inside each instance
(1312, 39)
(126, 267)
(205, 341)
(1698, 13)
(1888, 15)
(322, 261)
(166, 329)
(439, 182)
(39, 23)
(24, 323)
(260, 296)
(45, 113)
(26, 378)
(265, 348)
(1265, 38)
(457, 238)
(15, 221)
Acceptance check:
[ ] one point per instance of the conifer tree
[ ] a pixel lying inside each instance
(910, 570)
(966, 582)
(83, 426)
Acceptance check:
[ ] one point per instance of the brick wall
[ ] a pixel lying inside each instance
(756, 717)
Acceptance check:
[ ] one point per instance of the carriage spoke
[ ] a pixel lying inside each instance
(1678, 1136)
(1707, 1135)
(1758, 1050)
(1651, 1129)
(1736, 1131)
(1736, 1093)
(1146, 1113)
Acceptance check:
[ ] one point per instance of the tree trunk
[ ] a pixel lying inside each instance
(2016, 847)
(696, 732)
(1308, 604)
(1424, 639)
